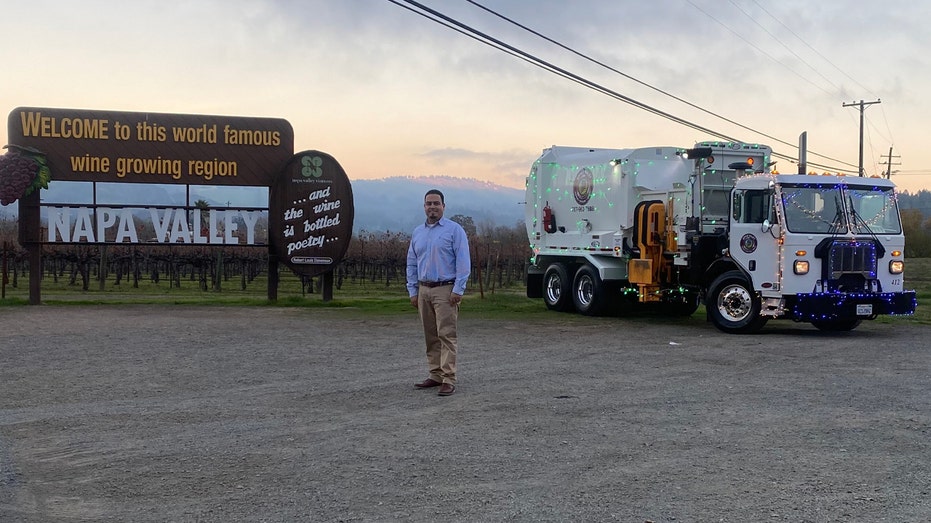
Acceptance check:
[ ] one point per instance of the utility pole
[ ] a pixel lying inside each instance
(889, 163)
(862, 106)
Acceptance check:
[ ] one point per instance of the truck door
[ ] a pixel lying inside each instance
(753, 242)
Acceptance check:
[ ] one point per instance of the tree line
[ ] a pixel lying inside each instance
(500, 256)
(917, 227)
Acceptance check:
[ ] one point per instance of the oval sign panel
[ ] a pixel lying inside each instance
(311, 213)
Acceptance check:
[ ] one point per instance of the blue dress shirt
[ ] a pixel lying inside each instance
(438, 252)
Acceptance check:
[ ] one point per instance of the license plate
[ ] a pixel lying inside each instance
(864, 309)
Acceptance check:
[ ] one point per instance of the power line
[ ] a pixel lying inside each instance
(501, 46)
(479, 36)
(800, 39)
(787, 48)
(751, 44)
(789, 29)
(796, 55)
(886, 121)
(553, 68)
(629, 77)
(645, 84)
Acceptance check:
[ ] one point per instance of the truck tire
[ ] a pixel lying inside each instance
(837, 325)
(733, 305)
(557, 288)
(588, 291)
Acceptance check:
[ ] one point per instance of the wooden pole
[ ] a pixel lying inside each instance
(29, 225)
(3, 277)
(328, 286)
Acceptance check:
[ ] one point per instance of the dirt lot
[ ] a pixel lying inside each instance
(158, 413)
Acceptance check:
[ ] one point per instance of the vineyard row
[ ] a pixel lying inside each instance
(370, 260)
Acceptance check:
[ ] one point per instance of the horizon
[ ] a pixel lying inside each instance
(482, 200)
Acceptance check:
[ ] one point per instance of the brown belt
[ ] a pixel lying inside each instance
(432, 284)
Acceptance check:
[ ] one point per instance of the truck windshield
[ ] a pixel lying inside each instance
(835, 208)
(873, 210)
(814, 208)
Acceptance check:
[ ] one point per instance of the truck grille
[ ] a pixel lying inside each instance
(846, 258)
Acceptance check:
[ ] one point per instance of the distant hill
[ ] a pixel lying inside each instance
(396, 204)
(390, 204)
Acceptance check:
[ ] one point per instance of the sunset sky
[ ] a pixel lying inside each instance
(388, 92)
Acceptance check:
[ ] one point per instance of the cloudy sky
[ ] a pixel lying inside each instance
(389, 92)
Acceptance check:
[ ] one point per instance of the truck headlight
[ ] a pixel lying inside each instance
(800, 267)
(896, 266)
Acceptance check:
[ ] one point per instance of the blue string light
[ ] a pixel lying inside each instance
(827, 306)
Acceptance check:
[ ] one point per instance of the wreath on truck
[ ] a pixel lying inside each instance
(23, 170)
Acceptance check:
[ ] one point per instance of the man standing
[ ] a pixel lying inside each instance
(438, 267)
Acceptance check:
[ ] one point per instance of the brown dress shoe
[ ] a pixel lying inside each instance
(427, 383)
(446, 390)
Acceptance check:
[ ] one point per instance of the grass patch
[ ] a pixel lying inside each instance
(363, 297)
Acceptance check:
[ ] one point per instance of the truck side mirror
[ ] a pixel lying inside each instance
(772, 228)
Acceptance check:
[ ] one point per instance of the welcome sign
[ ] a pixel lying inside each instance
(116, 146)
(310, 209)
(132, 147)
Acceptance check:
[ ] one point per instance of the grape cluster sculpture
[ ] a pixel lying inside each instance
(23, 170)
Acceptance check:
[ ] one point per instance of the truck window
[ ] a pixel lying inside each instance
(814, 208)
(753, 206)
(873, 210)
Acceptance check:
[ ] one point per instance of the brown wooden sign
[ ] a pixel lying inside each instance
(310, 199)
(311, 213)
(116, 146)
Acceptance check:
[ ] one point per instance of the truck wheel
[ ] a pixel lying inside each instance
(556, 288)
(733, 306)
(588, 291)
(837, 325)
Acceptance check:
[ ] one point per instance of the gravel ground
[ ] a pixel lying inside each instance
(240, 414)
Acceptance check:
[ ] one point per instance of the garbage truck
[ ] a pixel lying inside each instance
(614, 230)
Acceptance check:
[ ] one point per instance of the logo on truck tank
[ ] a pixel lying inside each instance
(583, 186)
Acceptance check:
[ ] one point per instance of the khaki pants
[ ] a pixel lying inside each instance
(440, 319)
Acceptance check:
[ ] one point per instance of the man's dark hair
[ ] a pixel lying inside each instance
(435, 191)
